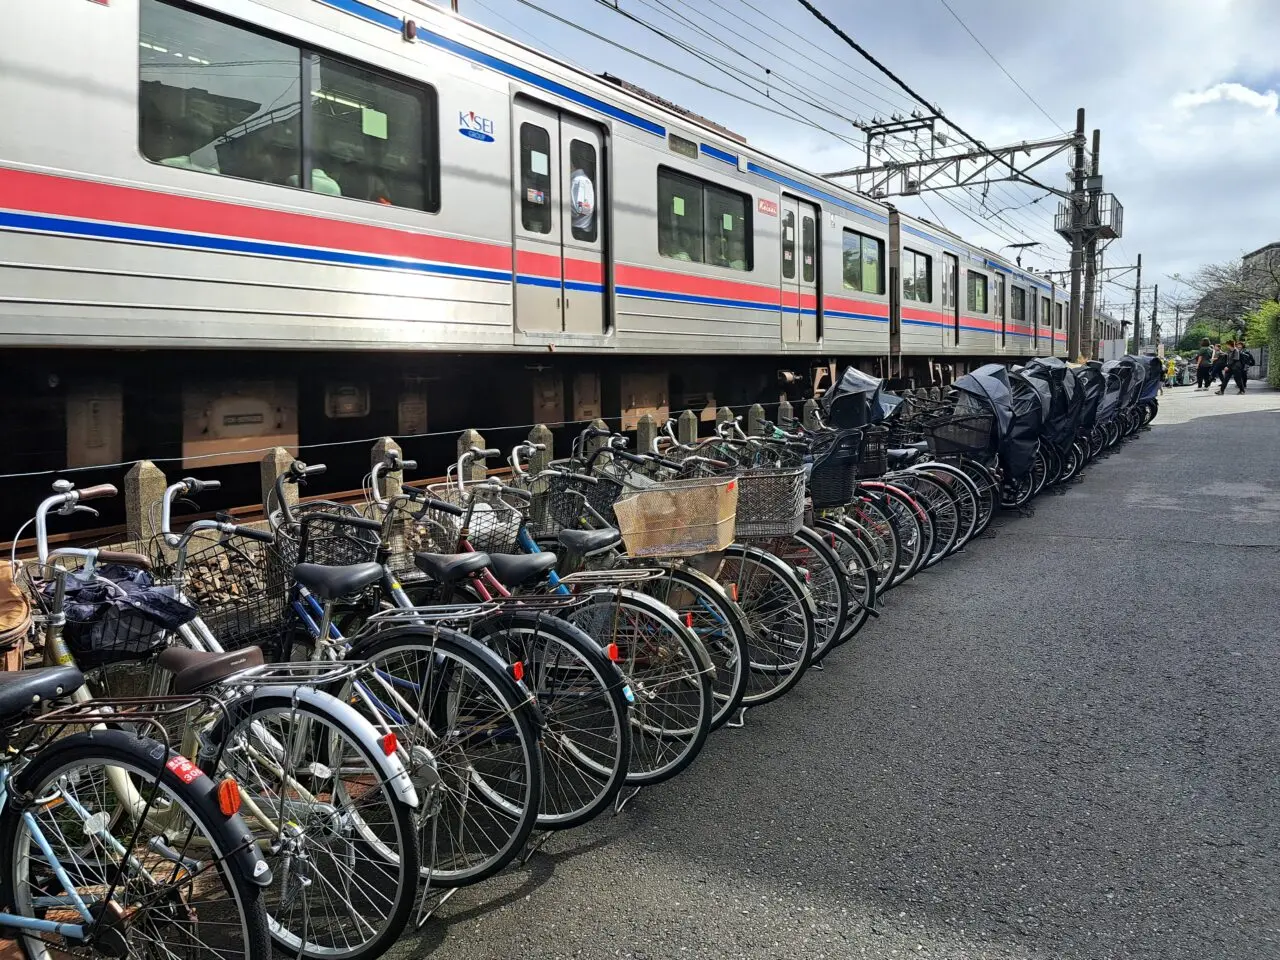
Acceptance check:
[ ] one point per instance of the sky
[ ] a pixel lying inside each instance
(1184, 92)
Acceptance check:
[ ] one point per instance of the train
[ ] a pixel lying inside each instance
(227, 225)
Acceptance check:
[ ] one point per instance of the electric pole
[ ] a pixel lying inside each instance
(1177, 324)
(1078, 200)
(1155, 305)
(1137, 309)
(1087, 338)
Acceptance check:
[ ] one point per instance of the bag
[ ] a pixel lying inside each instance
(1247, 358)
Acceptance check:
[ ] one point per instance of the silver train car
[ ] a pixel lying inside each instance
(292, 219)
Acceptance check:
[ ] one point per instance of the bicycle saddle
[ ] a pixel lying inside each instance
(193, 670)
(586, 542)
(23, 689)
(450, 567)
(514, 569)
(333, 583)
(904, 456)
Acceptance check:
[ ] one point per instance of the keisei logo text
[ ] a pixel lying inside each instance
(476, 127)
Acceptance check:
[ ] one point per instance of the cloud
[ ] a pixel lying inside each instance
(1234, 92)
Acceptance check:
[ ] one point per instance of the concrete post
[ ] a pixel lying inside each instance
(541, 460)
(785, 412)
(723, 415)
(392, 481)
(646, 434)
(687, 427)
(275, 463)
(143, 485)
(810, 414)
(755, 421)
(595, 443)
(477, 470)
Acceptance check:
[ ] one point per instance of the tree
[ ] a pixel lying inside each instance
(1259, 323)
(1195, 333)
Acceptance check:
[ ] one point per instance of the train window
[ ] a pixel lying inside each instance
(368, 134)
(977, 302)
(1018, 304)
(809, 248)
(535, 178)
(863, 256)
(950, 280)
(703, 223)
(582, 184)
(1045, 315)
(1058, 311)
(789, 245)
(997, 297)
(218, 99)
(917, 276)
(223, 99)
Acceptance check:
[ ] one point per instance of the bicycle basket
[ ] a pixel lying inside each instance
(679, 518)
(493, 523)
(329, 541)
(240, 587)
(964, 435)
(834, 476)
(770, 502)
(113, 615)
(873, 457)
(560, 503)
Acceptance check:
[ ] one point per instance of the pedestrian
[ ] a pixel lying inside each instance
(1244, 361)
(1230, 362)
(1217, 363)
(1204, 362)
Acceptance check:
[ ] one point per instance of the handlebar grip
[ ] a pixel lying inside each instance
(131, 559)
(314, 470)
(195, 486)
(519, 494)
(629, 457)
(249, 533)
(492, 452)
(408, 464)
(364, 523)
(597, 432)
(97, 492)
(669, 464)
(444, 507)
(540, 447)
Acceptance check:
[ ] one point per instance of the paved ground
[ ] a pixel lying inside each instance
(1062, 743)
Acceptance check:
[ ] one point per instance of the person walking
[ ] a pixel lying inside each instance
(1232, 361)
(1217, 362)
(1204, 364)
(1244, 361)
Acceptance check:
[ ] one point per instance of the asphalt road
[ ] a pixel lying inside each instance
(1059, 744)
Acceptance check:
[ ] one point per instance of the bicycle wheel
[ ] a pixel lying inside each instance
(780, 618)
(669, 672)
(343, 846)
(454, 707)
(913, 526)
(873, 526)
(183, 893)
(941, 507)
(859, 573)
(1040, 469)
(988, 492)
(965, 494)
(717, 622)
(809, 552)
(586, 738)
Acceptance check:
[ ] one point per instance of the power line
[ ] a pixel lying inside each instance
(983, 46)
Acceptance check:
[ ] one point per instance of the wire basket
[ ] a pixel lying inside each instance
(963, 435)
(873, 456)
(680, 518)
(770, 502)
(560, 503)
(329, 541)
(241, 589)
(833, 478)
(493, 517)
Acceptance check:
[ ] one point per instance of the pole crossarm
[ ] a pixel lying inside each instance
(986, 165)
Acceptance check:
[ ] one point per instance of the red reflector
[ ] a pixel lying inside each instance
(688, 620)
(389, 743)
(229, 797)
(731, 485)
(517, 670)
(612, 652)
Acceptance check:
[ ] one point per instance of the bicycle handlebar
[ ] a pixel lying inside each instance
(119, 556)
(96, 492)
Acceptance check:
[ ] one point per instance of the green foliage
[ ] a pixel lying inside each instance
(1197, 332)
(1273, 350)
(1260, 322)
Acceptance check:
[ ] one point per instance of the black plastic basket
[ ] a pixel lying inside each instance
(873, 456)
(965, 435)
(241, 589)
(834, 476)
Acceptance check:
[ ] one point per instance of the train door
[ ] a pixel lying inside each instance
(560, 199)
(801, 301)
(951, 298)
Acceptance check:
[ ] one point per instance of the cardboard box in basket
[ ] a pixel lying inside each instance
(679, 518)
(15, 620)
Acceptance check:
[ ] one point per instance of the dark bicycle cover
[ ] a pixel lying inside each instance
(1030, 402)
(1064, 400)
(988, 388)
(858, 400)
(1092, 383)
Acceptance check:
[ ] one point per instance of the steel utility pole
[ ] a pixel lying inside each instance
(1087, 338)
(1177, 324)
(1155, 327)
(1078, 200)
(1137, 309)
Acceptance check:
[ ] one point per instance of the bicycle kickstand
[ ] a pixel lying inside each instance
(738, 722)
(624, 798)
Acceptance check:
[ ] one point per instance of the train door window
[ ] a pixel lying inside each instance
(582, 188)
(1046, 317)
(218, 98)
(1059, 314)
(1017, 307)
(789, 245)
(997, 303)
(917, 277)
(862, 260)
(951, 292)
(809, 248)
(977, 301)
(535, 178)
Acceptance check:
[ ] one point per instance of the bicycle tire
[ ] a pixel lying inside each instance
(499, 707)
(583, 767)
(874, 528)
(942, 509)
(772, 597)
(184, 785)
(860, 575)
(966, 496)
(650, 636)
(322, 842)
(988, 488)
(719, 625)
(807, 550)
(917, 525)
